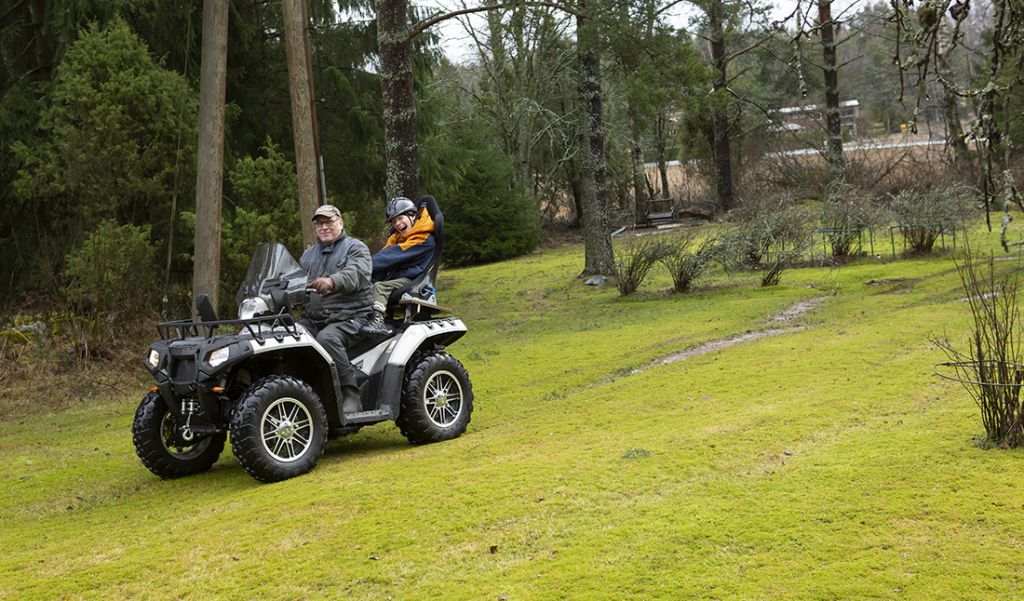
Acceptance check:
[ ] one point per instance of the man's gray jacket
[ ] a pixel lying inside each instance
(347, 262)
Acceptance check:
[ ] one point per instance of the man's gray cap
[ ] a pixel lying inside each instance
(329, 211)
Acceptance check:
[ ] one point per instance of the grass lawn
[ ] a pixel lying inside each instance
(827, 462)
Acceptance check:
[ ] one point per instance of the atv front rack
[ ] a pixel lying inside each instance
(185, 328)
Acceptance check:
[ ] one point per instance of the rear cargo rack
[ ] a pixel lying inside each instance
(185, 328)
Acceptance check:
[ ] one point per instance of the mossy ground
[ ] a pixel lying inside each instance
(825, 463)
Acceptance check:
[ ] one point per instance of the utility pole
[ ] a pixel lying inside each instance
(316, 104)
(300, 87)
(210, 153)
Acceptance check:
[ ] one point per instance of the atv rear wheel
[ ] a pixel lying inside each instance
(153, 432)
(278, 429)
(437, 399)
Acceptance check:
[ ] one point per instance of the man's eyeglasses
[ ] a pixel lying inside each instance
(320, 224)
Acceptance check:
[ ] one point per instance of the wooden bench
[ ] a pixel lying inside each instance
(661, 210)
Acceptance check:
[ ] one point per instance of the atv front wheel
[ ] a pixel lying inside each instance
(278, 429)
(437, 399)
(153, 432)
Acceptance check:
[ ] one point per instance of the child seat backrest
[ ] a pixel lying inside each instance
(423, 286)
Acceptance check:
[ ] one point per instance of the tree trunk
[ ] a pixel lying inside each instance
(954, 129)
(661, 141)
(504, 83)
(576, 187)
(639, 183)
(719, 134)
(210, 152)
(300, 88)
(401, 148)
(833, 117)
(1007, 121)
(993, 136)
(597, 239)
(44, 43)
(496, 43)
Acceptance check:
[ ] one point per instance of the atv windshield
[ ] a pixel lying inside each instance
(272, 268)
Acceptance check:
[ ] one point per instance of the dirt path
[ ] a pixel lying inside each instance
(791, 314)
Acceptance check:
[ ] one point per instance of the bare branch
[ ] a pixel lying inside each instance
(668, 7)
(427, 23)
(769, 116)
(751, 47)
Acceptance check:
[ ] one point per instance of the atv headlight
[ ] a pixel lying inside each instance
(252, 307)
(218, 356)
(153, 359)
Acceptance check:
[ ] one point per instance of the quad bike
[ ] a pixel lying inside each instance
(274, 388)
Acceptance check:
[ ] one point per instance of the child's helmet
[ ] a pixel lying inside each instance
(398, 206)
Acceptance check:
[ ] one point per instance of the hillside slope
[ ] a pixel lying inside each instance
(824, 462)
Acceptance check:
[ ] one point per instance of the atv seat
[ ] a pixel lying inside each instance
(419, 296)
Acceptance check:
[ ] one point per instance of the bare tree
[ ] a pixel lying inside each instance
(833, 117)
(922, 29)
(826, 25)
(954, 128)
(718, 129)
(593, 187)
(721, 20)
(636, 156)
(527, 66)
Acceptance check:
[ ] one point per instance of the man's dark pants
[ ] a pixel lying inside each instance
(336, 337)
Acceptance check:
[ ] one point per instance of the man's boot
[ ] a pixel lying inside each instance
(375, 325)
(350, 399)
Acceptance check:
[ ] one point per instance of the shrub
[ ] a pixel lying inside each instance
(262, 207)
(264, 195)
(486, 220)
(686, 264)
(781, 260)
(846, 212)
(112, 271)
(770, 235)
(487, 217)
(111, 282)
(992, 367)
(118, 139)
(923, 216)
(634, 261)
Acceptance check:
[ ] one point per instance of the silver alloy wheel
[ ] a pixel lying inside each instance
(183, 452)
(286, 429)
(442, 398)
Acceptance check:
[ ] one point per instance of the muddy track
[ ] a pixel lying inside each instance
(790, 315)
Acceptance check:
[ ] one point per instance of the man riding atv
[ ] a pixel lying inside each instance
(339, 272)
(282, 387)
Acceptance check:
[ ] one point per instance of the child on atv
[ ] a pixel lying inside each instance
(405, 256)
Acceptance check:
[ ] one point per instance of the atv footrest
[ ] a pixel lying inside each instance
(422, 305)
(363, 417)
